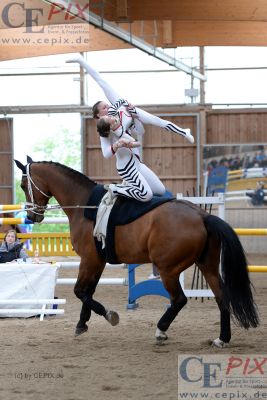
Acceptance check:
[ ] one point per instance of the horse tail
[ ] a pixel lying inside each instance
(236, 285)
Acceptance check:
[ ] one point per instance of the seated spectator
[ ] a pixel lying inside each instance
(257, 197)
(11, 248)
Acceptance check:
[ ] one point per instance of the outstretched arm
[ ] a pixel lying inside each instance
(109, 92)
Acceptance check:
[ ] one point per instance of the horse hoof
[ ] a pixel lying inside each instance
(219, 343)
(160, 336)
(112, 317)
(80, 330)
(160, 341)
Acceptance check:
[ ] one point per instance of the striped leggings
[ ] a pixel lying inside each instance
(139, 182)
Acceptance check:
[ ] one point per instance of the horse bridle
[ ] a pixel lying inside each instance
(30, 191)
(39, 207)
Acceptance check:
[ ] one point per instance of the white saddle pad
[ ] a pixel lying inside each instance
(104, 209)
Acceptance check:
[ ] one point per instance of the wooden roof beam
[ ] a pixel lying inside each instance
(121, 10)
(167, 34)
(148, 48)
(208, 33)
(202, 33)
(216, 10)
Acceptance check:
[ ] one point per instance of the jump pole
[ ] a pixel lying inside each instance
(102, 281)
(251, 231)
(30, 310)
(32, 301)
(75, 264)
(11, 207)
(42, 311)
(257, 268)
(26, 221)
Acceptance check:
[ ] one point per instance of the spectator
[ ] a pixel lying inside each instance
(257, 197)
(11, 248)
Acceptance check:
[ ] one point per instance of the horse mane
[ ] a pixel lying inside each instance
(70, 171)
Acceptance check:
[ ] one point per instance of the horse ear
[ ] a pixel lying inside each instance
(20, 166)
(29, 160)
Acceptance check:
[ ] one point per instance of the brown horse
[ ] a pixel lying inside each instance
(173, 236)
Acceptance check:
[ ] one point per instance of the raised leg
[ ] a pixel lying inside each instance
(178, 301)
(147, 118)
(109, 92)
(84, 290)
(85, 294)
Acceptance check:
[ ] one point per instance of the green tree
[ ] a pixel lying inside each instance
(63, 147)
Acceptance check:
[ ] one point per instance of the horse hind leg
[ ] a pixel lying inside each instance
(177, 299)
(209, 266)
(225, 321)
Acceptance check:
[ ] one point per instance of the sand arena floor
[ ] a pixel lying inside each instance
(43, 360)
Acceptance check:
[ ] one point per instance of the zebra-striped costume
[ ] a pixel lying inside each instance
(139, 181)
(125, 122)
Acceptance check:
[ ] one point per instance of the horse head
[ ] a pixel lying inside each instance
(35, 190)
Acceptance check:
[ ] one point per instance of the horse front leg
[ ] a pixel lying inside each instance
(84, 290)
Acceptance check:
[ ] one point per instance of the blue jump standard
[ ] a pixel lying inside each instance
(144, 288)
